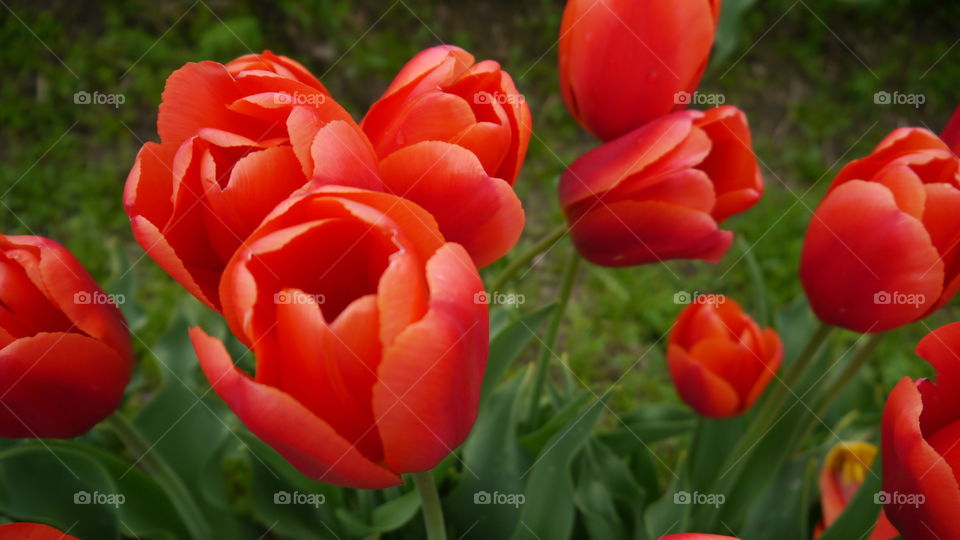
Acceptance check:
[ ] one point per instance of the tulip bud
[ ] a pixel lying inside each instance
(65, 354)
(720, 360)
(370, 343)
(624, 63)
(921, 444)
(452, 135)
(880, 250)
(660, 191)
(844, 470)
(951, 133)
(235, 141)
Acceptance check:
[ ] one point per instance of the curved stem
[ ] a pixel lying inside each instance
(430, 504)
(524, 258)
(162, 473)
(546, 346)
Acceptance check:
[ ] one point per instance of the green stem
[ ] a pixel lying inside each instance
(162, 473)
(430, 504)
(836, 388)
(524, 258)
(546, 347)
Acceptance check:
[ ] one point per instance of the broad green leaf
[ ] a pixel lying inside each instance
(534, 442)
(508, 343)
(387, 517)
(548, 509)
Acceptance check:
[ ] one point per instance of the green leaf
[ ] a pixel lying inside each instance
(648, 424)
(535, 442)
(508, 343)
(548, 509)
(387, 517)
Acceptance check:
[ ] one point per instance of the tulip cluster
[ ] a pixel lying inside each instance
(344, 255)
(665, 178)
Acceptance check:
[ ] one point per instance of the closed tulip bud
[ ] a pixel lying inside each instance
(661, 191)
(719, 358)
(235, 140)
(881, 249)
(452, 135)
(32, 531)
(369, 337)
(921, 444)
(624, 63)
(844, 470)
(65, 354)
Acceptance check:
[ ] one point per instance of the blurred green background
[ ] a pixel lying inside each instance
(805, 72)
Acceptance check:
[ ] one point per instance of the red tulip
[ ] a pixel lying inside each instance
(921, 444)
(951, 133)
(235, 141)
(65, 354)
(32, 531)
(843, 473)
(881, 249)
(696, 536)
(370, 344)
(661, 191)
(452, 135)
(624, 63)
(720, 360)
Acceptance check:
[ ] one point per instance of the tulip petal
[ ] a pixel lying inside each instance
(861, 249)
(31, 531)
(58, 385)
(703, 390)
(480, 212)
(429, 381)
(306, 441)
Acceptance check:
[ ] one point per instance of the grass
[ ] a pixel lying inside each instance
(806, 78)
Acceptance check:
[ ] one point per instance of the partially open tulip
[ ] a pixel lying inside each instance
(881, 249)
(452, 135)
(32, 531)
(65, 355)
(696, 536)
(370, 342)
(624, 63)
(843, 472)
(921, 444)
(661, 191)
(235, 140)
(951, 133)
(719, 359)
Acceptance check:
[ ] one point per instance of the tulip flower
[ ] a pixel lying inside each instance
(921, 444)
(32, 531)
(844, 469)
(696, 536)
(660, 191)
(65, 354)
(452, 135)
(235, 141)
(881, 249)
(624, 63)
(369, 337)
(719, 359)
(951, 133)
